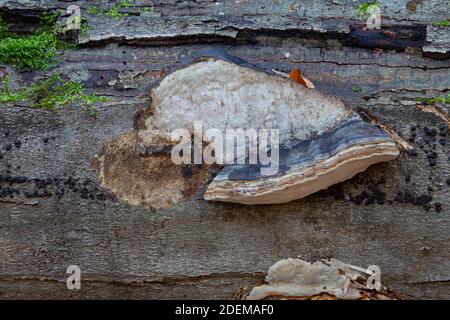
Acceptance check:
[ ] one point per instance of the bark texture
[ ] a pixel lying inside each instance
(394, 215)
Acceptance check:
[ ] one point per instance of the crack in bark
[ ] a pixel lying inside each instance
(140, 280)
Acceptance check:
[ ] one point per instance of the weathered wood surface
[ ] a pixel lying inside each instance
(210, 250)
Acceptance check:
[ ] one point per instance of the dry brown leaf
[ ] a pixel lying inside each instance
(297, 76)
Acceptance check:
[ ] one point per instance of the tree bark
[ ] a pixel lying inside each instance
(394, 215)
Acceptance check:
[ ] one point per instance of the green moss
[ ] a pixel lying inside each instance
(34, 51)
(48, 21)
(94, 11)
(31, 52)
(432, 101)
(366, 9)
(443, 23)
(356, 89)
(85, 27)
(114, 10)
(148, 9)
(51, 94)
(4, 27)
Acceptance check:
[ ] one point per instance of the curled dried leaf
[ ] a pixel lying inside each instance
(297, 76)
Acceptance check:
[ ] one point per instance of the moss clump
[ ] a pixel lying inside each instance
(34, 51)
(433, 101)
(443, 23)
(366, 9)
(114, 11)
(50, 94)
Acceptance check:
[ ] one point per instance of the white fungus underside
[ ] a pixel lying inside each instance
(224, 95)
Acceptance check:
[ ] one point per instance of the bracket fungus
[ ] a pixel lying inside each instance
(321, 141)
(322, 280)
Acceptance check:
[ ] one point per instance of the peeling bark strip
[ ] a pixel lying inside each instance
(323, 142)
(235, 31)
(203, 23)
